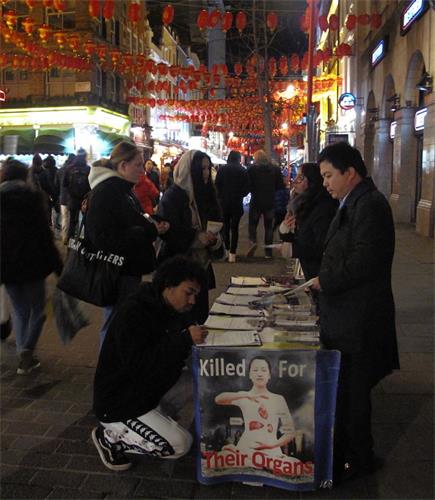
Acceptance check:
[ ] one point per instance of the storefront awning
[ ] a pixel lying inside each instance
(16, 141)
(111, 140)
(53, 141)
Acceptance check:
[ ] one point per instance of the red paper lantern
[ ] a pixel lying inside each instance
(94, 8)
(364, 19)
(44, 32)
(323, 23)
(133, 12)
(59, 5)
(151, 86)
(333, 22)
(212, 92)
(28, 23)
(294, 63)
(272, 67)
(227, 21)
(241, 21)
(11, 19)
(60, 39)
(74, 42)
(350, 22)
(168, 15)
(318, 58)
(30, 4)
(108, 9)
(213, 18)
(47, 3)
(272, 21)
(162, 69)
(224, 69)
(376, 20)
(283, 65)
(152, 102)
(174, 71)
(238, 68)
(202, 19)
(89, 47)
(304, 62)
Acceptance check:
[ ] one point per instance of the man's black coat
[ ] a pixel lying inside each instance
(356, 302)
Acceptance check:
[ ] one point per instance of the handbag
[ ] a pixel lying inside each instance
(91, 276)
(68, 315)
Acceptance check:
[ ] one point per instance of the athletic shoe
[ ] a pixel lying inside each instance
(251, 250)
(112, 458)
(27, 363)
(232, 257)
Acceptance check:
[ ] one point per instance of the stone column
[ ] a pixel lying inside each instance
(369, 132)
(425, 207)
(402, 198)
(383, 156)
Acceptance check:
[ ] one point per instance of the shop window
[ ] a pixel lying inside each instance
(65, 20)
(9, 75)
(55, 73)
(24, 75)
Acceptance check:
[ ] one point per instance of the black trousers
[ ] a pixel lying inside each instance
(254, 218)
(231, 230)
(74, 214)
(353, 441)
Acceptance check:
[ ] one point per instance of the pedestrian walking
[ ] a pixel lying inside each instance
(232, 185)
(357, 314)
(147, 193)
(29, 255)
(264, 180)
(64, 199)
(153, 175)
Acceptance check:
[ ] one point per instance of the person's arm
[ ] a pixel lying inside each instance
(229, 398)
(370, 251)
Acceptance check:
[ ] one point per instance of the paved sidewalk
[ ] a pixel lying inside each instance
(47, 418)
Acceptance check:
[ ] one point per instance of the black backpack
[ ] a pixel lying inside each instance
(78, 183)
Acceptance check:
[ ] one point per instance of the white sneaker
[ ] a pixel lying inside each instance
(232, 257)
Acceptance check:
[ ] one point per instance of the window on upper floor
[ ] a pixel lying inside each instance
(65, 20)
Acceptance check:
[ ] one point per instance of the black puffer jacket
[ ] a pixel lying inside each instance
(28, 252)
(115, 223)
(264, 181)
(232, 185)
(141, 358)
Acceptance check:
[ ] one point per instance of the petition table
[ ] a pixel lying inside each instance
(264, 389)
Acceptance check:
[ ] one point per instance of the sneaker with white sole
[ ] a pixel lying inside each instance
(232, 258)
(112, 458)
(251, 249)
(28, 363)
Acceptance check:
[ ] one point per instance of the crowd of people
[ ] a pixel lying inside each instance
(333, 217)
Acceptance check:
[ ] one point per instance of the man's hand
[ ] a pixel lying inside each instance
(290, 221)
(198, 333)
(207, 238)
(316, 284)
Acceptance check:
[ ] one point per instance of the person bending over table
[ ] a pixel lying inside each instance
(142, 357)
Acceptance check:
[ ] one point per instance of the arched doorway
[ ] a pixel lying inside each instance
(406, 163)
(383, 144)
(369, 131)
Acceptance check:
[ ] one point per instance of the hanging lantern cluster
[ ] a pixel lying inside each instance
(168, 15)
(332, 23)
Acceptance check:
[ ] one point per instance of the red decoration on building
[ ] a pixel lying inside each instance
(333, 22)
(272, 21)
(350, 22)
(108, 9)
(28, 24)
(272, 67)
(44, 32)
(376, 20)
(283, 65)
(202, 19)
(227, 21)
(323, 23)
(11, 19)
(94, 8)
(133, 12)
(294, 63)
(168, 15)
(364, 19)
(238, 68)
(47, 3)
(30, 4)
(241, 21)
(213, 19)
(59, 5)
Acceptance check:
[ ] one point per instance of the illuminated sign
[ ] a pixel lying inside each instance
(347, 101)
(393, 126)
(414, 10)
(379, 52)
(419, 119)
(2, 96)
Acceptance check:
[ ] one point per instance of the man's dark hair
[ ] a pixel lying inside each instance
(342, 156)
(234, 157)
(49, 162)
(176, 270)
(13, 170)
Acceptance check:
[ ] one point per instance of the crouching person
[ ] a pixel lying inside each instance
(148, 341)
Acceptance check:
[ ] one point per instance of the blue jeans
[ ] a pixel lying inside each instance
(28, 313)
(128, 284)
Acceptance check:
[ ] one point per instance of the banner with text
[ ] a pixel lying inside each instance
(265, 416)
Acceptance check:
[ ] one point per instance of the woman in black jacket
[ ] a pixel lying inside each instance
(232, 185)
(114, 219)
(28, 256)
(188, 205)
(307, 221)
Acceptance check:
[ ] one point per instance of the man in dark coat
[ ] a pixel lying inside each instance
(232, 185)
(142, 358)
(356, 301)
(264, 180)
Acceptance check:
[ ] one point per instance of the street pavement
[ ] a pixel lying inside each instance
(47, 417)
